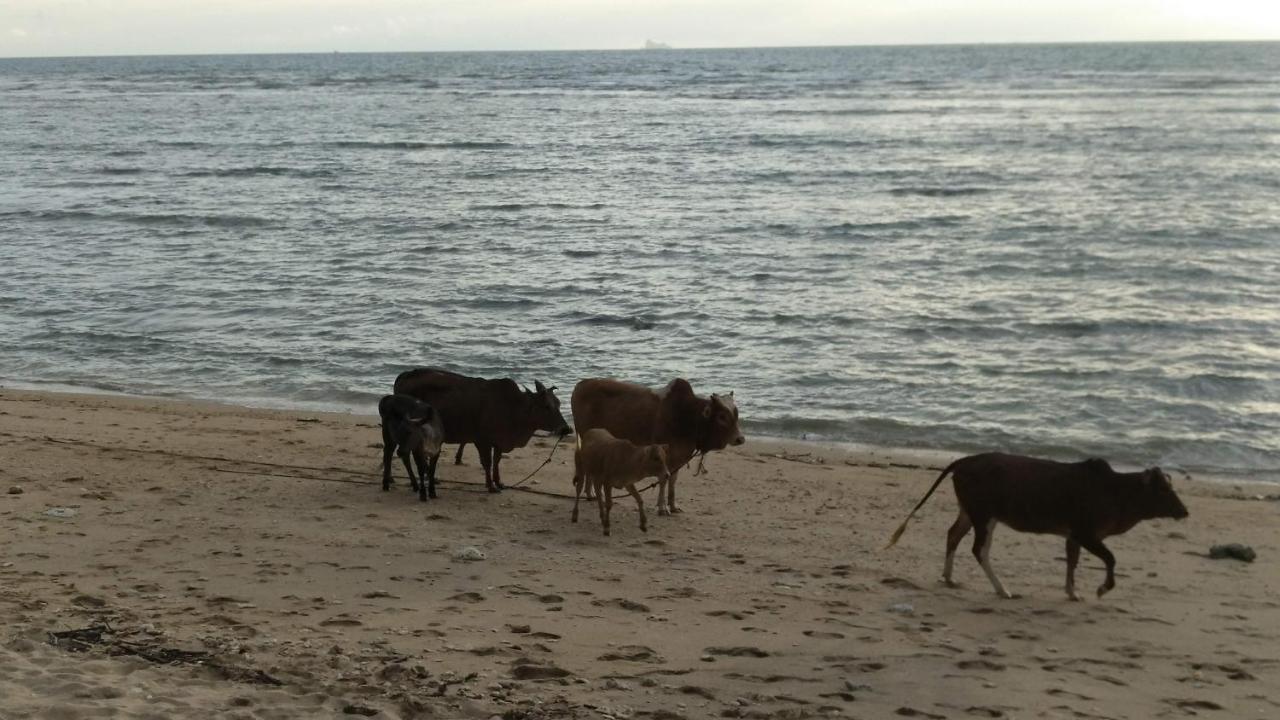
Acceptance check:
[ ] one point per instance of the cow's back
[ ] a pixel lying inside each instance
(1033, 494)
(627, 410)
(461, 400)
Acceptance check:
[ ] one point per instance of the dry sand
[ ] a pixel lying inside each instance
(200, 527)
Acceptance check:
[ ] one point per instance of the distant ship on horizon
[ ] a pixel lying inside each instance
(655, 45)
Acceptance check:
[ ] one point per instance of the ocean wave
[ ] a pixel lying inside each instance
(254, 170)
(939, 191)
(846, 229)
(140, 218)
(582, 253)
(801, 141)
(121, 170)
(633, 322)
(516, 207)
(416, 145)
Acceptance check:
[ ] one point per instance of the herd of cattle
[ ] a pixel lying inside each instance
(627, 432)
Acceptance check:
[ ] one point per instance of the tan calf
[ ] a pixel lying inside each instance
(607, 462)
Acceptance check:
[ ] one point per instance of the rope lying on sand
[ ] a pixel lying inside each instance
(286, 466)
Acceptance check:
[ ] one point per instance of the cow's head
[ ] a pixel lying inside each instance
(546, 409)
(655, 461)
(1159, 499)
(721, 416)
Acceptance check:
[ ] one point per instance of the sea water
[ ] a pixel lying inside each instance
(1057, 249)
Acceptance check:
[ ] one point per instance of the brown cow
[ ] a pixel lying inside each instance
(604, 462)
(673, 416)
(1084, 502)
(495, 415)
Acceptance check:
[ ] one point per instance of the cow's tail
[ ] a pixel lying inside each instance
(903, 527)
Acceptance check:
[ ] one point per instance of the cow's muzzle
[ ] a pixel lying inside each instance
(738, 440)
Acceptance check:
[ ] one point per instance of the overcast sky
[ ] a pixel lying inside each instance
(126, 27)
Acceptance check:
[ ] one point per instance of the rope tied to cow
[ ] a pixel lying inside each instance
(544, 464)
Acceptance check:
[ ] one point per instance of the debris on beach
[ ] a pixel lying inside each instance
(468, 554)
(61, 512)
(1233, 550)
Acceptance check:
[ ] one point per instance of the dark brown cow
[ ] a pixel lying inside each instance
(1084, 502)
(673, 416)
(496, 415)
(412, 429)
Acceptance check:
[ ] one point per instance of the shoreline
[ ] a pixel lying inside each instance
(908, 455)
(261, 541)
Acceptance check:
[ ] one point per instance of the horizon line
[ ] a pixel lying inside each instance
(642, 49)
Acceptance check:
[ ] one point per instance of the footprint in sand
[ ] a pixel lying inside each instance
(822, 635)
(467, 597)
(727, 613)
(632, 653)
(343, 620)
(912, 712)
(737, 651)
(979, 665)
(623, 604)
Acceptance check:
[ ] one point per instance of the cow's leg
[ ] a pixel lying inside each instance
(457, 459)
(604, 522)
(578, 481)
(644, 522)
(1073, 557)
(671, 494)
(1095, 546)
(982, 532)
(607, 492)
(486, 460)
(665, 491)
(958, 530)
(431, 475)
(497, 474)
(413, 480)
(388, 449)
(420, 459)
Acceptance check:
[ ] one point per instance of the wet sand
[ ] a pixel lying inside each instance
(260, 543)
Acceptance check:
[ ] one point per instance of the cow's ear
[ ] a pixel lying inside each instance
(730, 393)
(538, 386)
(680, 388)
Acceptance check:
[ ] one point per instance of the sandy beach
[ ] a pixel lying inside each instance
(244, 563)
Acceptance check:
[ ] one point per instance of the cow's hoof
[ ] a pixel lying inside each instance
(675, 510)
(644, 528)
(1103, 590)
(950, 583)
(606, 532)
(431, 495)
(494, 490)
(663, 512)
(1073, 597)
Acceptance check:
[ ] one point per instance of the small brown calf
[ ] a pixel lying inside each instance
(608, 462)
